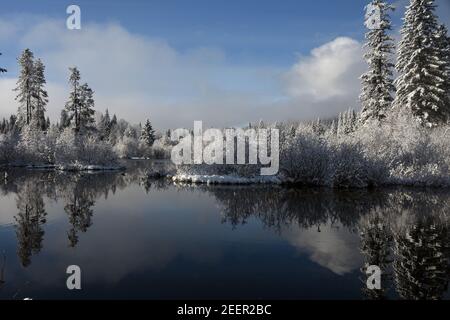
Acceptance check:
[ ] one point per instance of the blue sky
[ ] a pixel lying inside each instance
(236, 55)
(250, 31)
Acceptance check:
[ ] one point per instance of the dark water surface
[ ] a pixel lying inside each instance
(135, 237)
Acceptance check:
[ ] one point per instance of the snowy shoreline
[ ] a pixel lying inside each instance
(225, 180)
(71, 167)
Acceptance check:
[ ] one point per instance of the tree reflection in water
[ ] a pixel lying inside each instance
(403, 231)
(29, 221)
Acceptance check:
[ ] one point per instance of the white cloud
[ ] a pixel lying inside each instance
(327, 81)
(7, 103)
(328, 72)
(138, 77)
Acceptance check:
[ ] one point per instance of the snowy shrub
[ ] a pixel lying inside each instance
(83, 150)
(162, 148)
(127, 147)
(304, 158)
(349, 167)
(407, 153)
(36, 147)
(65, 148)
(160, 152)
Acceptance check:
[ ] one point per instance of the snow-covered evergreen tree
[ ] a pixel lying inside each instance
(347, 122)
(104, 126)
(64, 120)
(40, 95)
(443, 44)
(73, 105)
(377, 83)
(80, 107)
(148, 134)
(25, 87)
(87, 104)
(421, 82)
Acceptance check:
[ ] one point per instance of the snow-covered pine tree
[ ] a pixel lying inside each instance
(73, 105)
(64, 120)
(377, 83)
(347, 122)
(25, 86)
(443, 44)
(47, 123)
(87, 104)
(148, 134)
(40, 95)
(113, 122)
(104, 126)
(420, 66)
(80, 107)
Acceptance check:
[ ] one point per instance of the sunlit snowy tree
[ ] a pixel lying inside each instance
(25, 87)
(40, 96)
(377, 83)
(81, 102)
(421, 82)
(148, 134)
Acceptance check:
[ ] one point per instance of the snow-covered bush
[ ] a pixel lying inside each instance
(404, 152)
(396, 151)
(304, 158)
(348, 166)
(36, 147)
(162, 148)
(82, 151)
(127, 147)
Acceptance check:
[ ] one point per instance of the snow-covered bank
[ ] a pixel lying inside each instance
(81, 167)
(227, 180)
(397, 152)
(66, 167)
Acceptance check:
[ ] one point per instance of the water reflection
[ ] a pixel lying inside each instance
(29, 221)
(405, 232)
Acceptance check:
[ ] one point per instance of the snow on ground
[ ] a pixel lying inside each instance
(230, 180)
(80, 167)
